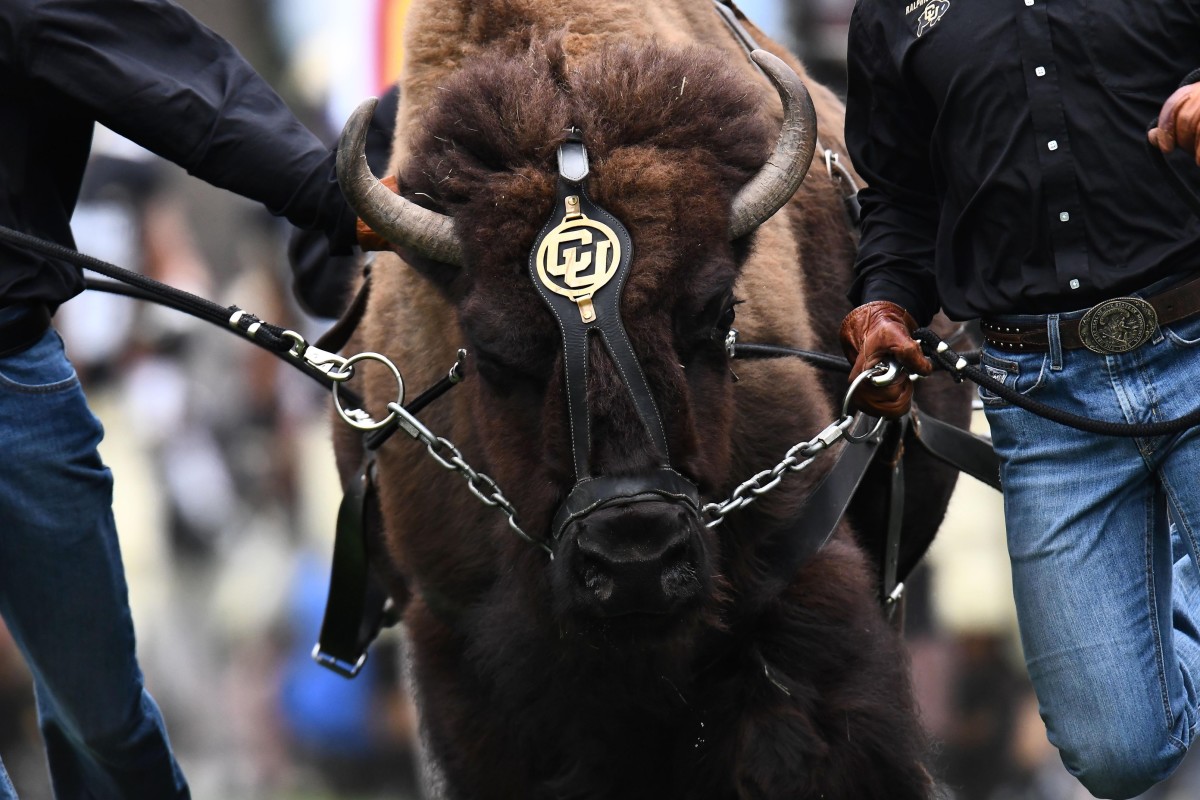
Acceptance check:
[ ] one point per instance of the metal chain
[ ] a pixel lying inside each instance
(480, 484)
(797, 458)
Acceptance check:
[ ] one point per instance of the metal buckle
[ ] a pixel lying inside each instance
(331, 662)
(1118, 325)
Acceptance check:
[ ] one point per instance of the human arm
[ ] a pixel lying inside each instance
(148, 70)
(888, 133)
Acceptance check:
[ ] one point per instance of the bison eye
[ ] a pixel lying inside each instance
(718, 317)
(507, 371)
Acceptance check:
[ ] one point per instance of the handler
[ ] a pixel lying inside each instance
(151, 72)
(1004, 145)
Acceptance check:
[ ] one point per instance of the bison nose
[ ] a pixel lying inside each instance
(638, 558)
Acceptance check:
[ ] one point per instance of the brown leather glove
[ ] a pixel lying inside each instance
(367, 238)
(882, 331)
(1179, 122)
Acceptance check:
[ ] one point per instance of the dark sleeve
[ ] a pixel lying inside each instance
(888, 135)
(322, 279)
(150, 71)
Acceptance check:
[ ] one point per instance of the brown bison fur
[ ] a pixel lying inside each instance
(770, 686)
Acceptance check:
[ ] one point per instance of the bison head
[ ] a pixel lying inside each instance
(604, 447)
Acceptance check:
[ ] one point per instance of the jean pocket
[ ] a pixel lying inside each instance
(1185, 333)
(41, 369)
(1022, 374)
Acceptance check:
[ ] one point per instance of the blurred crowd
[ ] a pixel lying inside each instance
(226, 492)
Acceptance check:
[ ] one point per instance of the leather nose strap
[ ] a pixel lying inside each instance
(579, 264)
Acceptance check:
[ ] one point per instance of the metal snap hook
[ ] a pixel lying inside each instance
(881, 374)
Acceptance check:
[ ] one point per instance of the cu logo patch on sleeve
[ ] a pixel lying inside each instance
(926, 13)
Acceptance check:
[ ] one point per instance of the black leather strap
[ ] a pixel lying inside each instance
(593, 493)
(340, 332)
(607, 323)
(820, 514)
(890, 580)
(357, 606)
(960, 449)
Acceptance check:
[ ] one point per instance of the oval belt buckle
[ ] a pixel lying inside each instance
(1118, 325)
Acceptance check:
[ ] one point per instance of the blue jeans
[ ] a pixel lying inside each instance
(1102, 534)
(63, 593)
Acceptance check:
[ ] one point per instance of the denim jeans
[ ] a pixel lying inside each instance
(63, 593)
(1102, 534)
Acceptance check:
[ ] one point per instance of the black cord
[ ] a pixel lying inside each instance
(822, 360)
(949, 360)
(132, 284)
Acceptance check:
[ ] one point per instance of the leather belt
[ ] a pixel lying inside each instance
(23, 332)
(1113, 326)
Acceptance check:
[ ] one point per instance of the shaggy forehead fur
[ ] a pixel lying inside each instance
(672, 134)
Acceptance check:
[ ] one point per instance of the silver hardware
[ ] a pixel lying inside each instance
(358, 418)
(456, 374)
(836, 169)
(332, 364)
(343, 668)
(1118, 325)
(731, 342)
(881, 374)
(799, 457)
(479, 483)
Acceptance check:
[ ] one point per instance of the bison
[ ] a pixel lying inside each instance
(627, 649)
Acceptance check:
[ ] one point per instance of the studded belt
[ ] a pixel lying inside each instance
(1114, 326)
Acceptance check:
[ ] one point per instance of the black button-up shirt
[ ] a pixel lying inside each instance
(1003, 144)
(151, 72)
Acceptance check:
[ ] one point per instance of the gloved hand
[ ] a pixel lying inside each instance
(882, 331)
(1178, 122)
(367, 238)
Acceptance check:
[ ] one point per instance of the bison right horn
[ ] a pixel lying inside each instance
(781, 176)
(400, 221)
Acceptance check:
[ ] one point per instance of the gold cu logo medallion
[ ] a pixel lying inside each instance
(578, 257)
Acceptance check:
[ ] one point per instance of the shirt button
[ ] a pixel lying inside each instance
(1040, 72)
(1028, 2)
(1074, 283)
(1052, 144)
(1063, 216)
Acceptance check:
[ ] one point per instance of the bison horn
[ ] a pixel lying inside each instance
(402, 222)
(781, 176)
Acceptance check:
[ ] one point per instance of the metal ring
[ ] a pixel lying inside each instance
(880, 369)
(850, 437)
(369, 425)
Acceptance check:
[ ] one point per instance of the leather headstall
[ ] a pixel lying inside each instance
(579, 265)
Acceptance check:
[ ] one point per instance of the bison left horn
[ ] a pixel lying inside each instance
(400, 221)
(781, 176)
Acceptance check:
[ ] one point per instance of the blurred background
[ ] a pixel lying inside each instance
(226, 495)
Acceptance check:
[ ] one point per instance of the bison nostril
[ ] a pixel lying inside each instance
(678, 571)
(595, 577)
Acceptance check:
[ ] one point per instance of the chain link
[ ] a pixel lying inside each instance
(799, 457)
(481, 485)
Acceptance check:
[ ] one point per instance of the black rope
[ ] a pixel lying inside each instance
(132, 284)
(944, 356)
